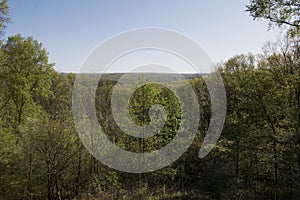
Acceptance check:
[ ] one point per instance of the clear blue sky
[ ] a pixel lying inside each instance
(70, 29)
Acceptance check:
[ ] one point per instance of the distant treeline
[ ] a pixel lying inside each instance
(160, 76)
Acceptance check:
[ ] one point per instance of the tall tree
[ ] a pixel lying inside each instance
(26, 72)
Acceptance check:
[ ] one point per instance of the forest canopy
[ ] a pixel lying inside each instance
(257, 156)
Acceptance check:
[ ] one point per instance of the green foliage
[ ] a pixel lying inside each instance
(257, 156)
(4, 18)
(278, 13)
(25, 73)
(26, 70)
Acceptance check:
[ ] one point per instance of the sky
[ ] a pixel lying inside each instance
(71, 29)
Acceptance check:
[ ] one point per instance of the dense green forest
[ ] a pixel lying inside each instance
(257, 156)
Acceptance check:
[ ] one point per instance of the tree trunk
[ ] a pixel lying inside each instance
(29, 173)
